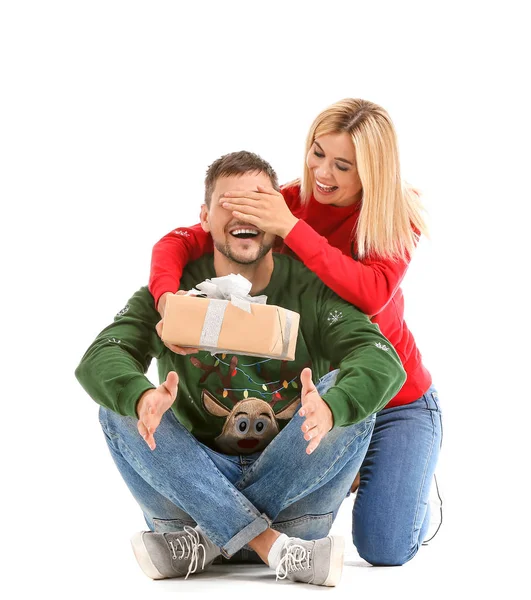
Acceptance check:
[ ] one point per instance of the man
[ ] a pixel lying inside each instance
(203, 487)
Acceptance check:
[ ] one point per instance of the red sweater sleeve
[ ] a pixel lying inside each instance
(291, 195)
(172, 253)
(368, 284)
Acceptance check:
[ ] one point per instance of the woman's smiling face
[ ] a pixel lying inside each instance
(332, 164)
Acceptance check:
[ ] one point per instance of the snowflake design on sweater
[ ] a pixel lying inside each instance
(181, 232)
(334, 317)
(123, 311)
(382, 346)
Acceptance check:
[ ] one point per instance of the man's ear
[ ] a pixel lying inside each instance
(205, 224)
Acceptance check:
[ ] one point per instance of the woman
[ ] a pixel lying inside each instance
(354, 223)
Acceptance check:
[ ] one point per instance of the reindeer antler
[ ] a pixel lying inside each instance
(216, 370)
(286, 374)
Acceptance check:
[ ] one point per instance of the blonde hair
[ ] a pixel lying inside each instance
(390, 221)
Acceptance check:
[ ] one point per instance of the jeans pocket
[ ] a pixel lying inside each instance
(169, 525)
(435, 399)
(307, 527)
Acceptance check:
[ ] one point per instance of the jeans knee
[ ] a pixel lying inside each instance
(115, 425)
(384, 558)
(384, 554)
(105, 419)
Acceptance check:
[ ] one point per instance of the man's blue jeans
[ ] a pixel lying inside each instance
(235, 498)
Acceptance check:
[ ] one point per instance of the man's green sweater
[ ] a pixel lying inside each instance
(220, 392)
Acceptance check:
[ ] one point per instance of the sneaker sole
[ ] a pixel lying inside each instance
(336, 561)
(143, 558)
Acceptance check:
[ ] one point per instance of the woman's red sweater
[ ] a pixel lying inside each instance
(322, 240)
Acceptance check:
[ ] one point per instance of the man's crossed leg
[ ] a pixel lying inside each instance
(238, 501)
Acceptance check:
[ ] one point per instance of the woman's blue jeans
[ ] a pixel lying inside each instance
(391, 514)
(235, 498)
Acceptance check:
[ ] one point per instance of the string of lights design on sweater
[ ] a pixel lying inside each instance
(267, 390)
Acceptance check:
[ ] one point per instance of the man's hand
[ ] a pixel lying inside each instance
(319, 420)
(161, 308)
(153, 404)
(173, 347)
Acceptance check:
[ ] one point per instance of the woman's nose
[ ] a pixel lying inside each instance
(322, 172)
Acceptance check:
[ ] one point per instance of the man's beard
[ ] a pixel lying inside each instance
(225, 249)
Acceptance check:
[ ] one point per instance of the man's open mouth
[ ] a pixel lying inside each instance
(244, 233)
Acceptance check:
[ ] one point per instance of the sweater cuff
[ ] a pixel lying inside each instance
(302, 239)
(343, 410)
(130, 395)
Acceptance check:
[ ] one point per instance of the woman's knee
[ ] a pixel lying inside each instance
(386, 557)
(380, 551)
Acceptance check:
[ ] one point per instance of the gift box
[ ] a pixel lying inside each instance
(224, 318)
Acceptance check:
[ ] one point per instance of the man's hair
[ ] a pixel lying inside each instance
(237, 163)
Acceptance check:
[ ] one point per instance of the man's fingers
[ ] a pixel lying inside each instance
(308, 424)
(158, 327)
(314, 443)
(310, 428)
(306, 379)
(308, 386)
(173, 347)
(308, 390)
(148, 437)
(150, 441)
(171, 384)
(308, 408)
(155, 406)
(311, 434)
(185, 351)
(142, 429)
(151, 422)
(150, 416)
(180, 350)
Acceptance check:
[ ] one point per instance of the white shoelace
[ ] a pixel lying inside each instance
(296, 558)
(187, 547)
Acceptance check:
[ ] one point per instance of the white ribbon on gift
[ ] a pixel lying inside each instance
(232, 288)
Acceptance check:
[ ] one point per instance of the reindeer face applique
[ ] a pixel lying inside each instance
(250, 425)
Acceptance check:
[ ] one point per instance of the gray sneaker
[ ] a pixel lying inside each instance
(318, 561)
(164, 555)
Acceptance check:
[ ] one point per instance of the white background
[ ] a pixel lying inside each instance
(110, 113)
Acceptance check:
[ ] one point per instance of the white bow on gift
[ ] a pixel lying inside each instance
(231, 287)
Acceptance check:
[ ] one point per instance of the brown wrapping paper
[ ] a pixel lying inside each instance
(218, 326)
